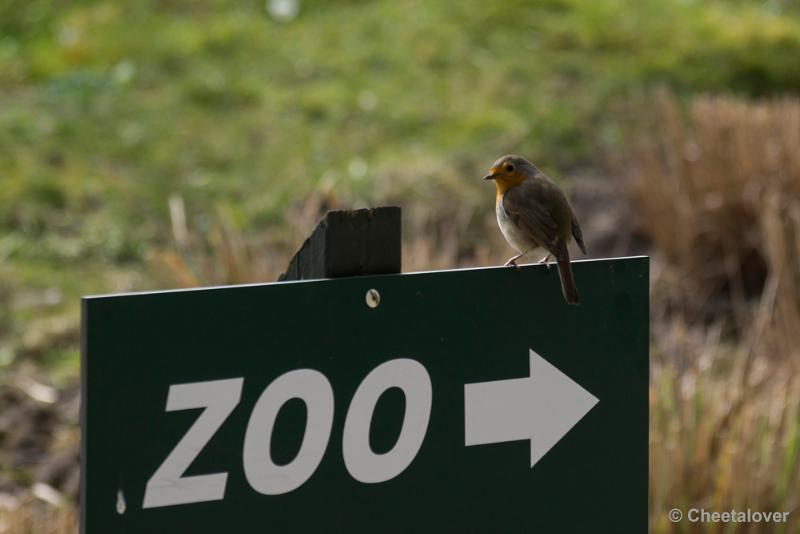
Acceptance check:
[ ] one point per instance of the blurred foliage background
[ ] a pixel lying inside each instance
(152, 144)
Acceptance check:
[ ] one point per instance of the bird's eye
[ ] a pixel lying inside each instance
(509, 168)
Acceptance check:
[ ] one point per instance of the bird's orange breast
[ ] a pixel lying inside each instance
(505, 182)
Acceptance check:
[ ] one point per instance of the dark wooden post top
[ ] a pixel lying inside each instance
(350, 243)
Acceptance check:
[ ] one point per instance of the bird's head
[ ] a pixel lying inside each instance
(510, 171)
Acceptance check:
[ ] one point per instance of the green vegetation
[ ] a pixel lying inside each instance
(107, 108)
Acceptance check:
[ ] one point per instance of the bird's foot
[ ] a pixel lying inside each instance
(544, 260)
(512, 262)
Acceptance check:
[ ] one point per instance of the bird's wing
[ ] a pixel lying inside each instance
(527, 206)
(578, 234)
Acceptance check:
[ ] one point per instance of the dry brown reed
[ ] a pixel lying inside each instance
(717, 442)
(227, 254)
(34, 517)
(715, 185)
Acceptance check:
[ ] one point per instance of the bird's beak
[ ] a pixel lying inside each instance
(491, 176)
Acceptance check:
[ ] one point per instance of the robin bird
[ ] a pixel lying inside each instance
(533, 212)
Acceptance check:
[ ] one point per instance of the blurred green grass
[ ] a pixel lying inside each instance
(108, 108)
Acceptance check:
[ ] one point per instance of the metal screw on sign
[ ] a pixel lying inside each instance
(373, 298)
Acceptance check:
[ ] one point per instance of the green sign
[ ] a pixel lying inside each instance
(453, 401)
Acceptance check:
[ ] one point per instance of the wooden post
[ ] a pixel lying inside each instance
(350, 243)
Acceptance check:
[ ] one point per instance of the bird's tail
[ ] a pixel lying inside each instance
(568, 286)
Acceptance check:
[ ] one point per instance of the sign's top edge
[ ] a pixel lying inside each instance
(262, 284)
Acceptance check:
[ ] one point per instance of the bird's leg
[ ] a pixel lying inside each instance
(513, 261)
(544, 260)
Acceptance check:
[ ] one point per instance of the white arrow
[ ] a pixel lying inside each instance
(541, 408)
